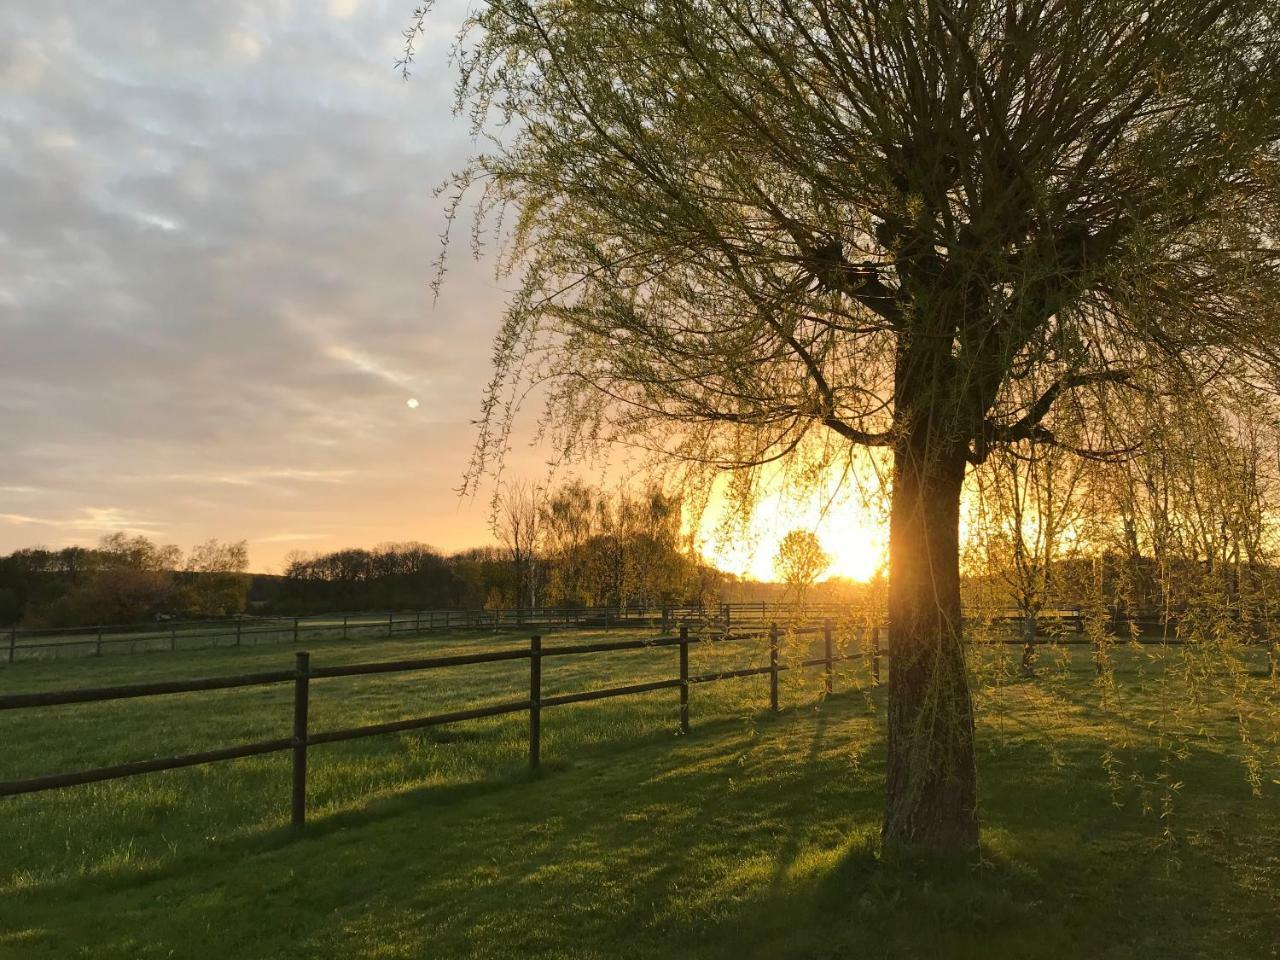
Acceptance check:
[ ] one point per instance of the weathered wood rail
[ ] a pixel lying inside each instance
(27, 643)
(304, 673)
(17, 644)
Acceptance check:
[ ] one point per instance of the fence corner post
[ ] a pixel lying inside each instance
(684, 679)
(773, 667)
(535, 701)
(301, 698)
(826, 640)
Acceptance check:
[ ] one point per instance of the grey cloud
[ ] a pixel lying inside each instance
(215, 239)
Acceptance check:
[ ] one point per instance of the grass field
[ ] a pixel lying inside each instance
(755, 836)
(92, 641)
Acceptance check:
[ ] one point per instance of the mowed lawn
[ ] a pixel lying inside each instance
(755, 836)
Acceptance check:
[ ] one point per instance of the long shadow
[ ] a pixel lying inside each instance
(677, 826)
(1042, 884)
(415, 800)
(791, 847)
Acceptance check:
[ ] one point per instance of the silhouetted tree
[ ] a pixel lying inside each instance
(741, 224)
(800, 561)
(216, 582)
(517, 523)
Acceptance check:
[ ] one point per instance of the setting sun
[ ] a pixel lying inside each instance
(851, 530)
(451, 449)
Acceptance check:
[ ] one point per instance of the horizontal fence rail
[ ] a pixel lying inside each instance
(867, 643)
(24, 644)
(17, 643)
(304, 673)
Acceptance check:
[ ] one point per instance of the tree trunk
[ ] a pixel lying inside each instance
(1029, 645)
(931, 784)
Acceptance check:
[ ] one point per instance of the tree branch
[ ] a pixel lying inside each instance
(1028, 426)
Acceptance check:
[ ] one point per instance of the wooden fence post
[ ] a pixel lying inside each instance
(417, 621)
(875, 655)
(826, 641)
(237, 633)
(344, 626)
(389, 616)
(97, 650)
(728, 624)
(301, 698)
(773, 667)
(535, 701)
(295, 629)
(684, 679)
(13, 643)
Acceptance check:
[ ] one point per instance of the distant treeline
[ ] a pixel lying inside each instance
(581, 550)
(122, 580)
(573, 547)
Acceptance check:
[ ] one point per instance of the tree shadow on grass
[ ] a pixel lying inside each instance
(740, 841)
(1064, 873)
(392, 801)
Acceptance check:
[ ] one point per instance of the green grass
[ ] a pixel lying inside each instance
(755, 836)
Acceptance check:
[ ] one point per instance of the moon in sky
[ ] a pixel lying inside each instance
(412, 403)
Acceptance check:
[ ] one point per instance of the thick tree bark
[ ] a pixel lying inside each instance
(931, 784)
(1029, 644)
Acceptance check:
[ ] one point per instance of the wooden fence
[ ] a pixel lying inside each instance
(25, 644)
(304, 672)
(22, 643)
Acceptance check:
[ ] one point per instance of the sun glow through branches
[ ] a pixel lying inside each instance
(853, 532)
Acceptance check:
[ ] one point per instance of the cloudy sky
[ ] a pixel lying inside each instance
(216, 235)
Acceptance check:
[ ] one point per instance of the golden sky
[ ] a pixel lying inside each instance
(215, 318)
(848, 521)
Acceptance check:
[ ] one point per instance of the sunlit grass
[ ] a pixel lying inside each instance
(754, 836)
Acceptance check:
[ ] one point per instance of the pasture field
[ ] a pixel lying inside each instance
(754, 836)
(18, 644)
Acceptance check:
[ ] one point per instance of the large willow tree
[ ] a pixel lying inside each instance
(932, 226)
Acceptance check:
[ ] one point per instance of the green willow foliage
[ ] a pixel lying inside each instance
(747, 230)
(1173, 555)
(727, 216)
